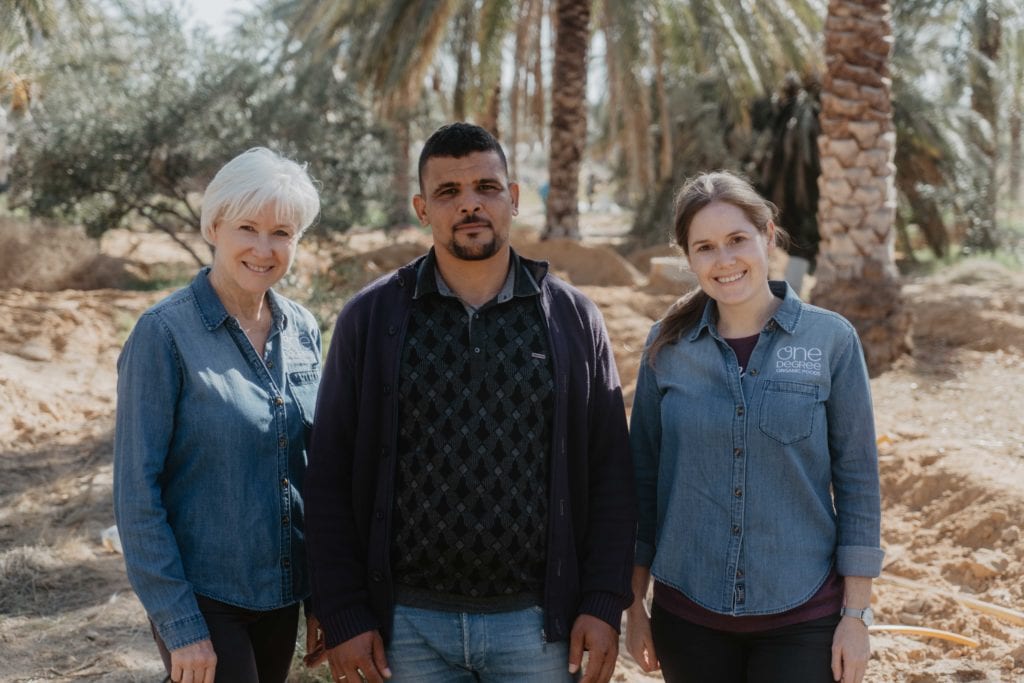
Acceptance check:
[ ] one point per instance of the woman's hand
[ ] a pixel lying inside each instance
(316, 651)
(639, 641)
(851, 646)
(851, 649)
(195, 663)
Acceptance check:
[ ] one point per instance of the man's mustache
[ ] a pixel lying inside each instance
(473, 218)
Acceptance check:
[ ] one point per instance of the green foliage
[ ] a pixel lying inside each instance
(136, 118)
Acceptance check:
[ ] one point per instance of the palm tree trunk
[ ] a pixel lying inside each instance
(491, 114)
(4, 168)
(1015, 148)
(398, 211)
(984, 101)
(856, 271)
(568, 117)
(519, 78)
(538, 103)
(664, 118)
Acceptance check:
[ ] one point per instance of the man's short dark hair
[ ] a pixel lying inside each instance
(458, 140)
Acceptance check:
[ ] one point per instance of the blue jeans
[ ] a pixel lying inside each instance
(429, 646)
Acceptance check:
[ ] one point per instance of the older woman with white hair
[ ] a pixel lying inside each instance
(215, 396)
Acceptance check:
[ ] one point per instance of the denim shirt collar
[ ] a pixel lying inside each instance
(786, 316)
(212, 311)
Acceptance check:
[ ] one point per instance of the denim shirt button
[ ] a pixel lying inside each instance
(378, 577)
(739, 410)
(285, 562)
(392, 330)
(278, 401)
(380, 514)
(735, 529)
(284, 520)
(284, 482)
(739, 573)
(270, 364)
(282, 442)
(738, 452)
(738, 493)
(753, 372)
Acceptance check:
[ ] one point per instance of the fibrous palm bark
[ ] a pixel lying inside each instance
(856, 272)
(568, 117)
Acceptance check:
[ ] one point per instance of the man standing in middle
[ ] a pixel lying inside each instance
(469, 495)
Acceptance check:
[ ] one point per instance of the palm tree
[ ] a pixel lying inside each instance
(389, 47)
(856, 272)
(986, 34)
(568, 117)
(1015, 59)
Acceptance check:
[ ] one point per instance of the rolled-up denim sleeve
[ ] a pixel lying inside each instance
(148, 386)
(645, 445)
(854, 456)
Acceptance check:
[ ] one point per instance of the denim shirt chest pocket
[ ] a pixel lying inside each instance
(303, 363)
(788, 410)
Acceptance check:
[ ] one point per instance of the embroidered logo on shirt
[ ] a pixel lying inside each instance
(799, 359)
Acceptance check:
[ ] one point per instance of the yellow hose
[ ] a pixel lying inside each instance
(925, 632)
(998, 611)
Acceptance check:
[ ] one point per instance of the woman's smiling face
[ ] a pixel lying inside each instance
(728, 254)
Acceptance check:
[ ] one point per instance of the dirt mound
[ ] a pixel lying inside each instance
(349, 271)
(581, 264)
(641, 258)
(977, 305)
(41, 256)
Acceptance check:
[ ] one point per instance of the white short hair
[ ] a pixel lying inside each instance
(251, 181)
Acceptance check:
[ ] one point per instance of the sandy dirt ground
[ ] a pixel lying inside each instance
(949, 420)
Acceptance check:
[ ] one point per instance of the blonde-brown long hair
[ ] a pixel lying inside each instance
(695, 194)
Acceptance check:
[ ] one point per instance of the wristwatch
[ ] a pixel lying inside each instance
(865, 615)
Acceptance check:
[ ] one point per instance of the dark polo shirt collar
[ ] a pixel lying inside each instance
(519, 281)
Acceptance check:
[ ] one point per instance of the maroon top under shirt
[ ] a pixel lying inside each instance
(825, 602)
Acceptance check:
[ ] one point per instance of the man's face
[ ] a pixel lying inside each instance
(468, 202)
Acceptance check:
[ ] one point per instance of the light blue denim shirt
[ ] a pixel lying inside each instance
(209, 457)
(751, 486)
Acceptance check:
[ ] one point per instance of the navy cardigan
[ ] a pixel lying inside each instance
(350, 481)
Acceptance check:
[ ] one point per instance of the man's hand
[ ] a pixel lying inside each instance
(601, 641)
(639, 641)
(851, 649)
(195, 663)
(363, 654)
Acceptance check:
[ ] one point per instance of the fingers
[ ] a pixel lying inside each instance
(357, 659)
(643, 653)
(575, 650)
(837, 663)
(195, 663)
(600, 664)
(601, 641)
(640, 643)
(380, 659)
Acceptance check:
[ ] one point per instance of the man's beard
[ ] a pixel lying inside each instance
(474, 251)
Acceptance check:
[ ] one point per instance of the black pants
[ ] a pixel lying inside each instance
(690, 653)
(251, 647)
